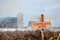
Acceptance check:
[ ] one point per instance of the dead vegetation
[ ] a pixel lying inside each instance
(30, 35)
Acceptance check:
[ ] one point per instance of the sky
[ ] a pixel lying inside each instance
(31, 7)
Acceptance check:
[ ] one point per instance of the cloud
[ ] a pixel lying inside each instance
(56, 6)
(7, 8)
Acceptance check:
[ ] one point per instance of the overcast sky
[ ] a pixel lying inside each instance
(31, 7)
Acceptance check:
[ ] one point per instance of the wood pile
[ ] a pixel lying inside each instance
(30, 35)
